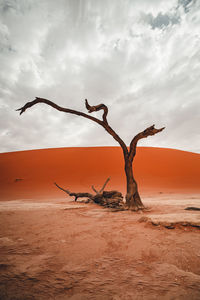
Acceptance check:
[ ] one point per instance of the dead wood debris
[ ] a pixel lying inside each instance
(110, 199)
(192, 208)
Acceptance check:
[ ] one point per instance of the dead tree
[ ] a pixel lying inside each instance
(133, 200)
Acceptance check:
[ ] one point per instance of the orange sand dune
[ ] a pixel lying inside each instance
(31, 174)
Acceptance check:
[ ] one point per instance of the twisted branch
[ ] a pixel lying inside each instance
(96, 108)
(128, 154)
(103, 123)
(52, 104)
(144, 134)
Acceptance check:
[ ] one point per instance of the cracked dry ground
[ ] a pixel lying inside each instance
(92, 253)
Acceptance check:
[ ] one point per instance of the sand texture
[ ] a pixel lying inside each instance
(54, 248)
(31, 174)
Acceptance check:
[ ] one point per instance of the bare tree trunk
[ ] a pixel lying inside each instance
(133, 200)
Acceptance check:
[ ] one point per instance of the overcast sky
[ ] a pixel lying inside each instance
(139, 57)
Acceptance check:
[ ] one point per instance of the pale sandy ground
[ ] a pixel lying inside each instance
(59, 249)
(53, 248)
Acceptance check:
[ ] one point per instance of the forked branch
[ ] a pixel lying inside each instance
(103, 123)
(63, 109)
(128, 154)
(144, 134)
(103, 187)
(93, 188)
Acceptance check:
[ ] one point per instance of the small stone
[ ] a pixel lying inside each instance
(143, 219)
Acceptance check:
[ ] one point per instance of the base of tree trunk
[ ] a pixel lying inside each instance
(109, 199)
(133, 202)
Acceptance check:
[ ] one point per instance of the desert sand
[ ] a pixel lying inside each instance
(54, 248)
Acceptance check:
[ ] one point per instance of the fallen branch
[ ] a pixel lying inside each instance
(112, 199)
(76, 195)
(192, 208)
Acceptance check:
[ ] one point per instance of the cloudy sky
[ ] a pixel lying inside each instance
(139, 57)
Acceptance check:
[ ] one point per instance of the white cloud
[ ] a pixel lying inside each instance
(141, 58)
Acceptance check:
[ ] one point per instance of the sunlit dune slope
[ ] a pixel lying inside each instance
(31, 174)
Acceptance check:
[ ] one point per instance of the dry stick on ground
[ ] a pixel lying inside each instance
(192, 208)
(133, 200)
(76, 195)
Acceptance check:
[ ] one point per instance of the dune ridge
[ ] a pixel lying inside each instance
(31, 174)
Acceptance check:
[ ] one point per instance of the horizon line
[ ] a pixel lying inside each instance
(73, 147)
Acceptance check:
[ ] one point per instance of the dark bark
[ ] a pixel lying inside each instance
(75, 195)
(133, 200)
(192, 208)
(111, 199)
(103, 187)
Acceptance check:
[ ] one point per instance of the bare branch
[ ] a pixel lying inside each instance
(103, 187)
(78, 113)
(144, 134)
(94, 189)
(96, 108)
(105, 124)
(66, 191)
(76, 195)
(66, 110)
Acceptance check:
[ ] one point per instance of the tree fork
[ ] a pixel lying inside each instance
(133, 200)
